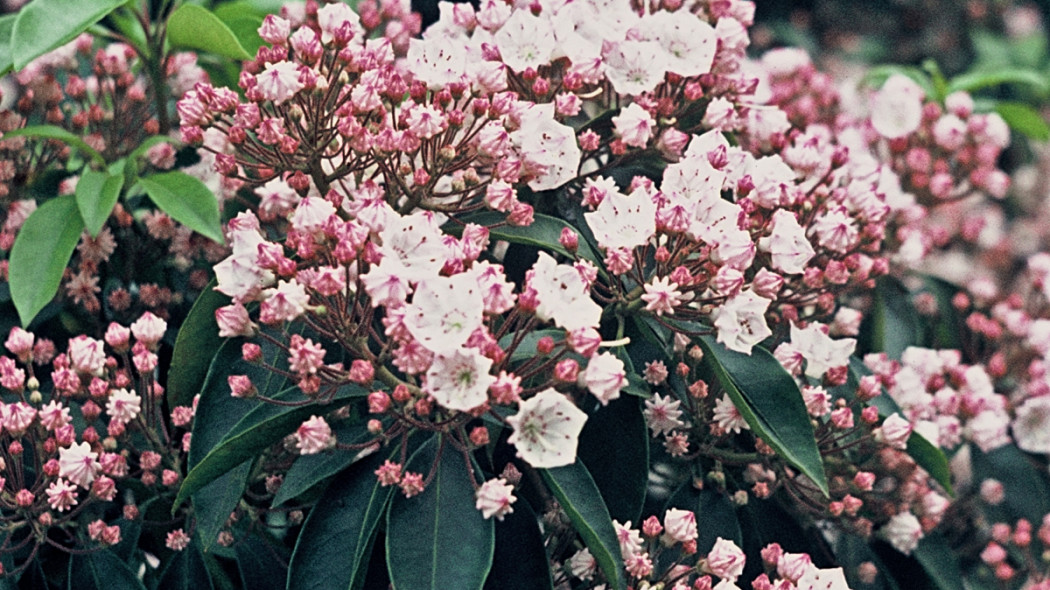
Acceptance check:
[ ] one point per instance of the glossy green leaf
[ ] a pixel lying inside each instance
(438, 540)
(264, 425)
(850, 552)
(7, 26)
(309, 471)
(96, 194)
(261, 560)
(931, 458)
(770, 402)
(101, 570)
(977, 80)
(196, 27)
(893, 324)
(939, 561)
(614, 446)
(576, 492)
(1024, 119)
(244, 20)
(543, 233)
(520, 559)
(43, 25)
(40, 254)
(60, 134)
(213, 503)
(187, 200)
(195, 345)
(1026, 489)
(186, 570)
(335, 542)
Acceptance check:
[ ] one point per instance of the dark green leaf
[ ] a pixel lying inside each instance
(196, 27)
(438, 540)
(939, 561)
(893, 324)
(213, 503)
(309, 471)
(1025, 486)
(520, 560)
(931, 458)
(614, 445)
(576, 492)
(60, 134)
(850, 552)
(769, 400)
(101, 570)
(264, 425)
(979, 79)
(1024, 119)
(186, 571)
(337, 537)
(43, 25)
(187, 200)
(96, 194)
(7, 26)
(543, 233)
(261, 560)
(40, 253)
(196, 344)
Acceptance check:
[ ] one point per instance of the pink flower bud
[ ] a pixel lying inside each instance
(378, 402)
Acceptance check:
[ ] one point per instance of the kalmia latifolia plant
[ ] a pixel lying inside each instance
(569, 295)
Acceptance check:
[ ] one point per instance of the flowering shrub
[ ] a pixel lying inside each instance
(572, 295)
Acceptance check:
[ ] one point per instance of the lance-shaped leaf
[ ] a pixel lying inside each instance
(55, 132)
(263, 425)
(520, 561)
(542, 233)
(771, 404)
(438, 540)
(7, 26)
(1024, 119)
(96, 194)
(187, 570)
(195, 345)
(40, 254)
(614, 445)
(939, 561)
(43, 25)
(196, 27)
(101, 570)
(309, 471)
(187, 200)
(333, 548)
(576, 492)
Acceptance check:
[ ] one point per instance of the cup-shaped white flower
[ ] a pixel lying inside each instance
(546, 429)
(445, 311)
(459, 380)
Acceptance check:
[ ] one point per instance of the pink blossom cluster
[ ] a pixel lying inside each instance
(98, 427)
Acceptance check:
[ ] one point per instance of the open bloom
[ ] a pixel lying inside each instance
(741, 321)
(1031, 426)
(546, 429)
(79, 464)
(459, 380)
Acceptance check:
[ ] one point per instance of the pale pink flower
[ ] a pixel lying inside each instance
(233, 321)
(634, 125)
(79, 464)
(895, 431)
(817, 400)
(680, 525)
(634, 67)
(623, 221)
(1031, 425)
(445, 311)
(721, 114)
(725, 560)
(896, 109)
(728, 417)
(494, 498)
(793, 566)
(61, 495)
(820, 351)
(314, 436)
(20, 343)
(547, 147)
(279, 81)
(177, 540)
(903, 532)
(17, 417)
(822, 579)
(275, 30)
(787, 243)
(332, 17)
(836, 230)
(525, 41)
(87, 355)
(563, 295)
(989, 430)
(546, 429)
(460, 379)
(149, 329)
(741, 321)
(688, 43)
(123, 405)
(311, 213)
(583, 565)
(437, 61)
(54, 415)
(662, 414)
(284, 303)
(605, 377)
(425, 121)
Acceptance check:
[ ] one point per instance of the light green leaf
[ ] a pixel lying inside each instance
(54, 132)
(979, 79)
(196, 27)
(438, 540)
(96, 194)
(43, 25)
(337, 538)
(576, 492)
(7, 26)
(931, 458)
(40, 254)
(939, 561)
(769, 400)
(187, 200)
(1024, 119)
